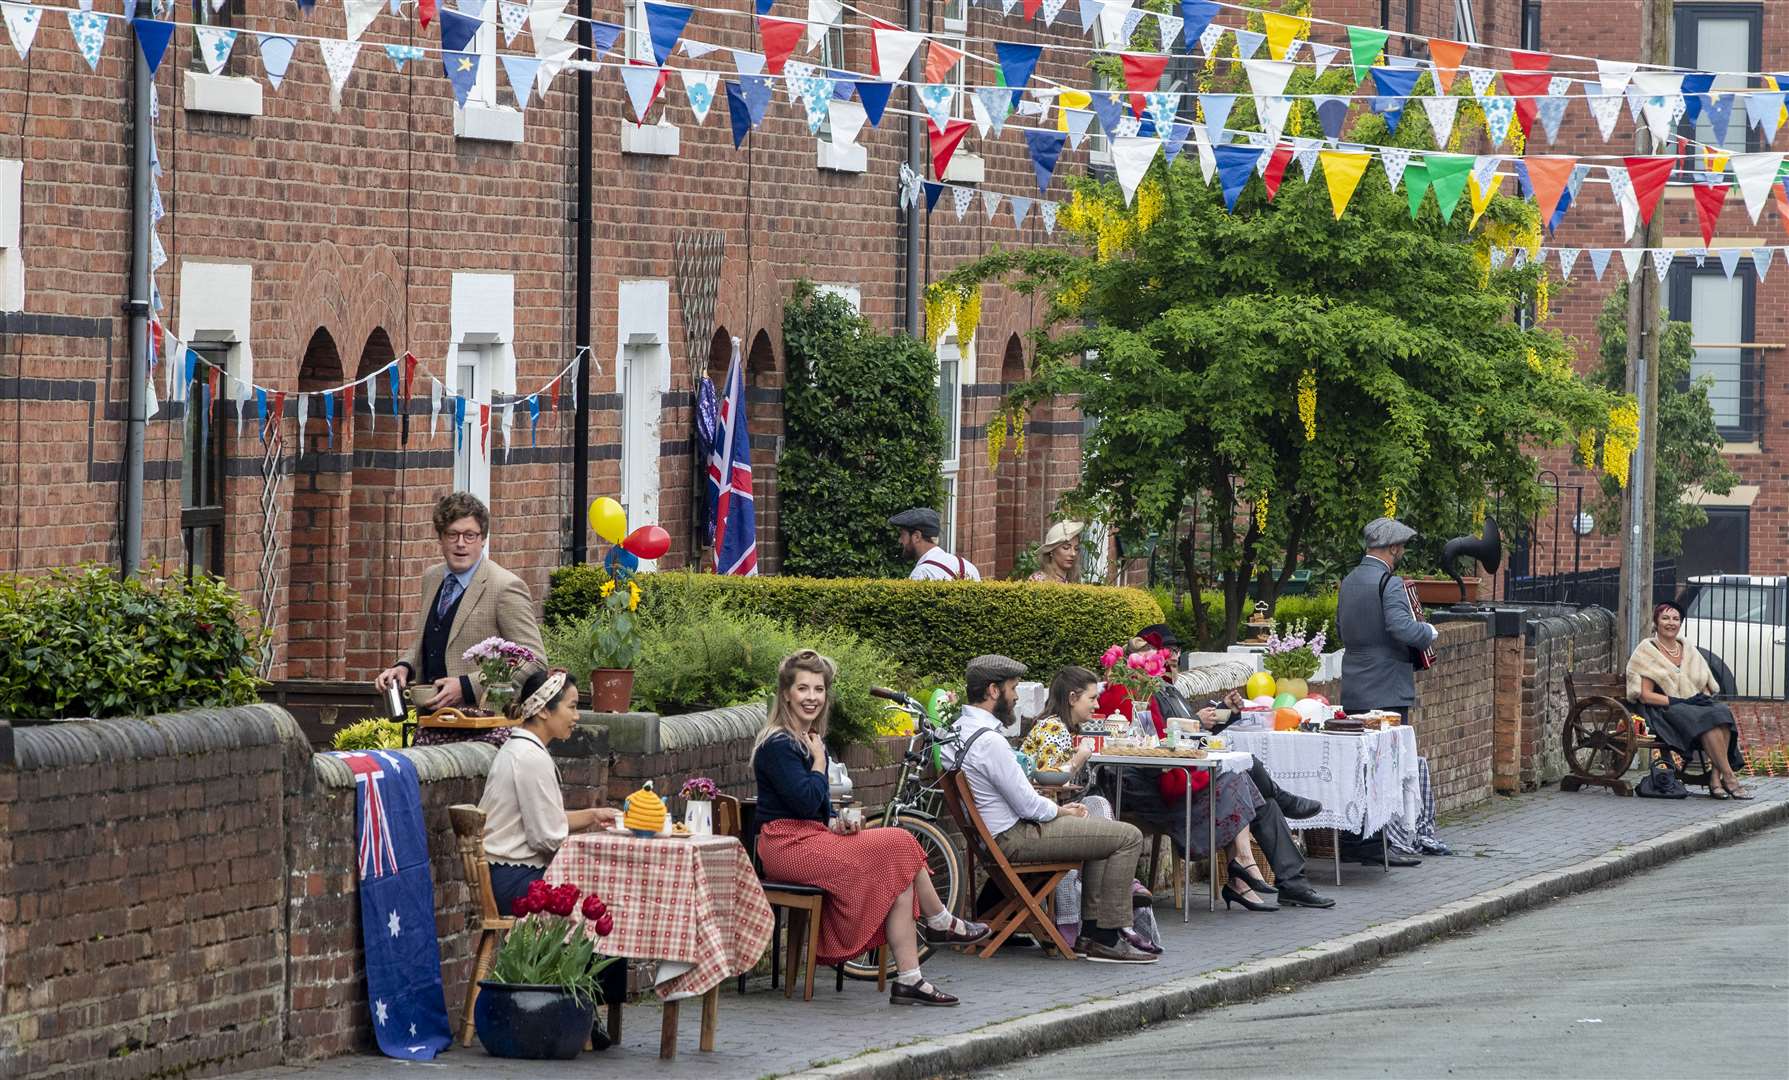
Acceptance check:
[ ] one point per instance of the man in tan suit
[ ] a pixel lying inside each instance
(465, 599)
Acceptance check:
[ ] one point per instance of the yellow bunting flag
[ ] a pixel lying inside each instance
(1481, 197)
(1343, 170)
(1070, 99)
(1281, 29)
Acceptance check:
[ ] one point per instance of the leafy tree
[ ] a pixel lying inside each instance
(1300, 373)
(863, 438)
(1689, 451)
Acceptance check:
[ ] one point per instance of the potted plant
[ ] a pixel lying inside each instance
(1293, 657)
(698, 805)
(541, 997)
(615, 645)
(497, 660)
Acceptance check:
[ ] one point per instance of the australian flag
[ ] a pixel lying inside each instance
(730, 481)
(397, 909)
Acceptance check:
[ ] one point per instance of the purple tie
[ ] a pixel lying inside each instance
(450, 591)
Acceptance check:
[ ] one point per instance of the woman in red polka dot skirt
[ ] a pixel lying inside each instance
(877, 888)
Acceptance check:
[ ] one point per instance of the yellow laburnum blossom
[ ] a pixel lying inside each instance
(968, 314)
(1391, 503)
(1618, 445)
(1261, 512)
(1307, 403)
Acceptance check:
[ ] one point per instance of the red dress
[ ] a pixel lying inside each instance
(1115, 700)
(863, 876)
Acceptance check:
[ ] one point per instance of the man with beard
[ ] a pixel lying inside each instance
(1031, 828)
(919, 529)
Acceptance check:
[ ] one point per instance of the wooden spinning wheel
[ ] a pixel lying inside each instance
(1600, 738)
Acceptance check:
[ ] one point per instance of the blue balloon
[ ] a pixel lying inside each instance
(619, 562)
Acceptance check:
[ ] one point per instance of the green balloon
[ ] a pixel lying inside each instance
(1284, 701)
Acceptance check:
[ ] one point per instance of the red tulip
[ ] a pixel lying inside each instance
(520, 908)
(593, 907)
(605, 925)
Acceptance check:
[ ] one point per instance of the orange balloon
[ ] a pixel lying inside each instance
(1286, 720)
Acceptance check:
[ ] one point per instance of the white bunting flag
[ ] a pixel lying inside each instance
(1051, 9)
(990, 202)
(338, 60)
(1130, 160)
(640, 82)
(960, 198)
(1621, 185)
(1442, 113)
(1047, 211)
(435, 405)
(1615, 74)
(1208, 38)
(1322, 56)
(1568, 258)
(304, 417)
(1268, 78)
(1480, 79)
(361, 14)
(1395, 160)
(372, 398)
(513, 17)
(1607, 109)
(1661, 264)
(215, 43)
(1764, 111)
(1020, 205)
(1274, 112)
(698, 87)
(1729, 261)
(1755, 173)
(1599, 261)
(21, 25)
(893, 49)
(1761, 261)
(1633, 258)
(823, 15)
(1170, 27)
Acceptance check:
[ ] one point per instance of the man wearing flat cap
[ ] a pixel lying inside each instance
(1031, 828)
(1379, 631)
(919, 530)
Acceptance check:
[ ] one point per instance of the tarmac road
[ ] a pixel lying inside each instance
(1680, 972)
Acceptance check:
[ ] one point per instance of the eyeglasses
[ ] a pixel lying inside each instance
(469, 537)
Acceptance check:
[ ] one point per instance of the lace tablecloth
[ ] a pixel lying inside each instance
(1363, 781)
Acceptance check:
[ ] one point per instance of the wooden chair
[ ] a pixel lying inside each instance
(469, 832)
(804, 904)
(1027, 888)
(1600, 739)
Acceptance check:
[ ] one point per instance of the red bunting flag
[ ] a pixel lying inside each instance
(1548, 176)
(944, 143)
(211, 385)
(1710, 198)
(664, 76)
(1527, 90)
(1276, 169)
(1031, 7)
(409, 373)
(940, 58)
(1649, 175)
(484, 429)
(1530, 61)
(348, 404)
(277, 418)
(780, 37)
(1446, 56)
(1143, 74)
(425, 10)
(553, 390)
(1781, 191)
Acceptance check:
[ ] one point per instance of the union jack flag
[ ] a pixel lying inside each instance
(730, 481)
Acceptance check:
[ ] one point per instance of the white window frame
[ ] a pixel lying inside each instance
(831, 58)
(642, 366)
(951, 464)
(216, 301)
(956, 16)
(1465, 22)
(481, 333)
(638, 44)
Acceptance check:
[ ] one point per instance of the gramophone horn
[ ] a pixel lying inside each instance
(1486, 550)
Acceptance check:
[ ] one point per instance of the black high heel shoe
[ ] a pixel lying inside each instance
(1231, 896)
(1247, 876)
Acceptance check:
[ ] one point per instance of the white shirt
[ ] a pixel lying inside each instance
(524, 811)
(1002, 794)
(940, 565)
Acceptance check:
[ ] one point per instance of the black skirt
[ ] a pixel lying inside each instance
(1682, 726)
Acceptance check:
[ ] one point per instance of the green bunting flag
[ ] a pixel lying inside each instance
(1365, 44)
(1447, 174)
(1416, 185)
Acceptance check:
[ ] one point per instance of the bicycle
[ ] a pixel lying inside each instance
(916, 807)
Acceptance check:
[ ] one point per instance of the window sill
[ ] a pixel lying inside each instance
(228, 95)
(487, 123)
(1739, 447)
(651, 140)
(965, 169)
(851, 158)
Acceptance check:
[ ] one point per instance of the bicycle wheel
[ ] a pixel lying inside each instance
(944, 862)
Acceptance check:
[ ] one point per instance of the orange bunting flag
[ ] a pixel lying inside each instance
(1710, 198)
(780, 37)
(940, 58)
(1446, 56)
(1343, 170)
(944, 143)
(1649, 175)
(1782, 196)
(1143, 74)
(1548, 177)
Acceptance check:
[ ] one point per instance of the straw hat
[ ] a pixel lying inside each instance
(1063, 532)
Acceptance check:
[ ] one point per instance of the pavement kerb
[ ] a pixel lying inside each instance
(1011, 1040)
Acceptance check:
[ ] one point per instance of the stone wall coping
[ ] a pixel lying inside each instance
(1569, 623)
(454, 761)
(66, 743)
(714, 726)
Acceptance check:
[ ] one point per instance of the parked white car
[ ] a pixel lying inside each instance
(1744, 620)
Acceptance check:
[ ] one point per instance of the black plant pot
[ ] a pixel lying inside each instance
(521, 1021)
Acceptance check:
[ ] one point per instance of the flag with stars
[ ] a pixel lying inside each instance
(397, 908)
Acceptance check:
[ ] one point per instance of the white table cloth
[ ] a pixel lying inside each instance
(1363, 781)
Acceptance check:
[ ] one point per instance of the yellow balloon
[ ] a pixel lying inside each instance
(608, 519)
(1260, 684)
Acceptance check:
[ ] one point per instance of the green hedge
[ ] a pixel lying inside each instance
(929, 628)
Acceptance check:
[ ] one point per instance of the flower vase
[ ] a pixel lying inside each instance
(611, 689)
(698, 815)
(499, 695)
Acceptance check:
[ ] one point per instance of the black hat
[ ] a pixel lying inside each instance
(921, 519)
(1674, 605)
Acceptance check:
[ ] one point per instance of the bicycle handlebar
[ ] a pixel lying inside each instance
(890, 695)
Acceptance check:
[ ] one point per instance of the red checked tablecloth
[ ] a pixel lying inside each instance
(688, 901)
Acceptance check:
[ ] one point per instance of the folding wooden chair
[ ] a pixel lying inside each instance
(469, 832)
(1026, 888)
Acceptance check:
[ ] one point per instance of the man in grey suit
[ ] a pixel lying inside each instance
(1378, 632)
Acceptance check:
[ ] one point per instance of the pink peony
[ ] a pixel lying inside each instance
(1112, 656)
(1152, 667)
(1134, 661)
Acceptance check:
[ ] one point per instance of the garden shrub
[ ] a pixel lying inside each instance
(86, 643)
(862, 435)
(927, 628)
(1182, 617)
(1317, 610)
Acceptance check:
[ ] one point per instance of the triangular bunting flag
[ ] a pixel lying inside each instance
(1235, 164)
(338, 61)
(399, 55)
(1761, 261)
(1248, 43)
(1275, 172)
(1649, 175)
(1169, 28)
(874, 96)
(940, 58)
(1020, 205)
(214, 44)
(642, 86)
(1763, 111)
(1607, 109)
(1548, 176)
(1729, 261)
(1550, 112)
(823, 15)
(1177, 136)
(152, 36)
(1142, 74)
(1442, 113)
(521, 71)
(361, 14)
(1710, 199)
(1445, 57)
(891, 52)
(1633, 259)
(990, 202)
(1017, 62)
(276, 56)
(21, 26)
(1268, 78)
(960, 198)
(1047, 210)
(1416, 185)
(698, 87)
(1525, 90)
(1614, 75)
(944, 140)
(1568, 258)
(1481, 79)
(1480, 196)
(1090, 13)
(1720, 115)
(1196, 15)
(1599, 261)
(1281, 29)
(936, 97)
(1106, 107)
(1394, 87)
(1321, 57)
(1342, 169)
(780, 37)
(1130, 160)
(1395, 160)
(1045, 147)
(1448, 174)
(462, 72)
(1051, 9)
(1756, 174)
(1216, 109)
(1208, 39)
(1364, 46)
(1332, 113)
(739, 114)
(1077, 121)
(514, 18)
(664, 24)
(1499, 111)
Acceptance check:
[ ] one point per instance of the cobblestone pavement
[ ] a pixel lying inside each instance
(761, 1034)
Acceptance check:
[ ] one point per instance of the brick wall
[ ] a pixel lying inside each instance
(196, 912)
(1453, 715)
(1583, 641)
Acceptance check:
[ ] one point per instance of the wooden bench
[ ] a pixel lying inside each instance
(1601, 739)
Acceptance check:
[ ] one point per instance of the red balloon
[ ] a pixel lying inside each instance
(647, 541)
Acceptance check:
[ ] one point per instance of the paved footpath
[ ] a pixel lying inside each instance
(1520, 851)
